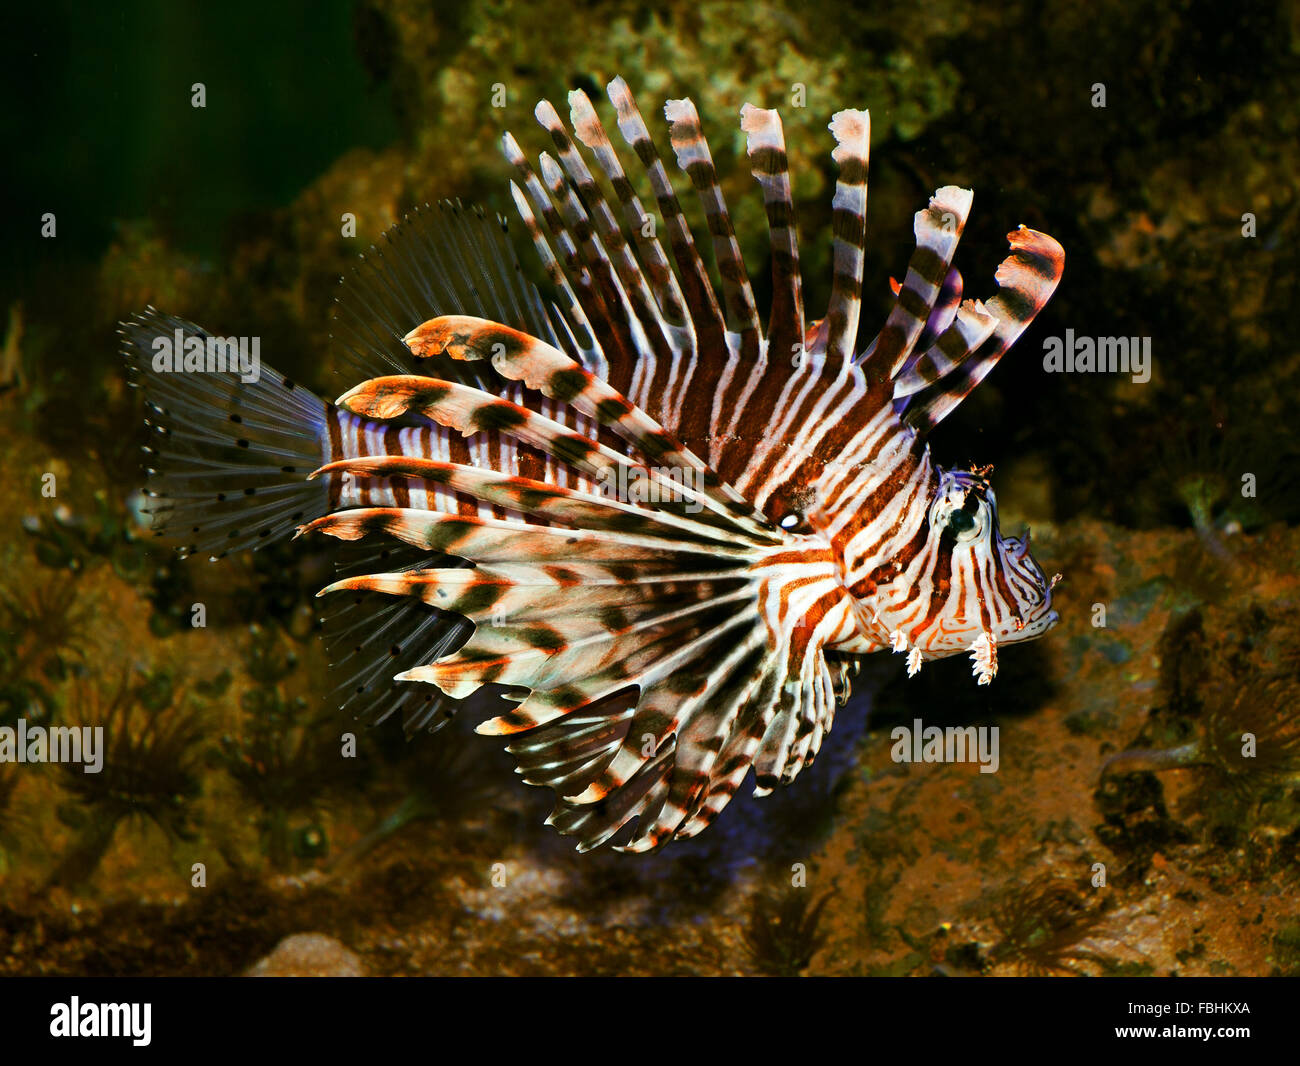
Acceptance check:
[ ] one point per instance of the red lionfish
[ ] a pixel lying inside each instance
(774, 511)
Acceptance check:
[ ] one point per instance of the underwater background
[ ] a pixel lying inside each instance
(1171, 505)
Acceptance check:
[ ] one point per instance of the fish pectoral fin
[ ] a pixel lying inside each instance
(649, 686)
(370, 638)
(542, 368)
(758, 695)
(671, 473)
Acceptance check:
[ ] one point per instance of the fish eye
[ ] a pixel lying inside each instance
(950, 515)
(961, 522)
(794, 522)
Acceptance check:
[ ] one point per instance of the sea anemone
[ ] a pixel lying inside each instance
(1224, 476)
(150, 771)
(1237, 719)
(46, 620)
(1043, 925)
(782, 934)
(283, 759)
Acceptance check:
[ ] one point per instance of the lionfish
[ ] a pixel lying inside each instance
(654, 536)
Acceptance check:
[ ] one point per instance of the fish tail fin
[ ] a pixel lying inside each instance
(232, 441)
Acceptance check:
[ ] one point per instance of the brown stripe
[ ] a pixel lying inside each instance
(942, 586)
(336, 453)
(458, 451)
(400, 488)
(359, 449)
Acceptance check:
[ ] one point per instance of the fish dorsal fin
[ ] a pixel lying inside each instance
(972, 325)
(765, 145)
(852, 132)
(938, 228)
(766, 410)
(651, 322)
(1027, 278)
(698, 363)
(694, 158)
(440, 260)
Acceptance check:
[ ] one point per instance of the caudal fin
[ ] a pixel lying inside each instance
(231, 446)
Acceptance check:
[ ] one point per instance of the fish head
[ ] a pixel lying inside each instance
(962, 587)
(981, 583)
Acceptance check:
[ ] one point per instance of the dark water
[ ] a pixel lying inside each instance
(1157, 142)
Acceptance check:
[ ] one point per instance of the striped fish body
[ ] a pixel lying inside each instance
(652, 535)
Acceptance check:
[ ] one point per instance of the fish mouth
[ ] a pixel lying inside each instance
(1035, 624)
(1030, 587)
(1032, 591)
(1039, 625)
